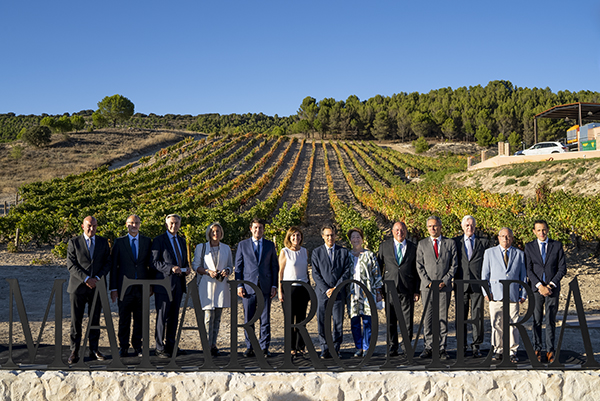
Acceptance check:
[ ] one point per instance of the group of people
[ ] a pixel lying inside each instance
(407, 269)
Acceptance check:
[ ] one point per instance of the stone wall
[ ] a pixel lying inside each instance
(200, 386)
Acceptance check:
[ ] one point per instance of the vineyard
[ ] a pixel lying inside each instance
(286, 181)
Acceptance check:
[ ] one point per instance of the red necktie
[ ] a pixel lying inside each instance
(435, 248)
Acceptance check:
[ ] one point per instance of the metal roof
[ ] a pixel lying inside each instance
(589, 111)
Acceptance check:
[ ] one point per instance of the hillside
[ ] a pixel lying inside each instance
(76, 153)
(579, 177)
(287, 181)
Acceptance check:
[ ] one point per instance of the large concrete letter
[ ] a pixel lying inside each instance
(288, 326)
(590, 362)
(15, 293)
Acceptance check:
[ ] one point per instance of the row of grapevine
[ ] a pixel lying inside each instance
(565, 213)
(347, 217)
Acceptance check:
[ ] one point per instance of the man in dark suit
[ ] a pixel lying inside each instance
(470, 250)
(88, 261)
(131, 257)
(169, 259)
(256, 261)
(436, 260)
(331, 264)
(546, 266)
(397, 259)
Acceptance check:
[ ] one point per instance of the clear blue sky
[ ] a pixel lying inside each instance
(194, 57)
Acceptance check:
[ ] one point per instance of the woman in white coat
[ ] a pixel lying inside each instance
(213, 262)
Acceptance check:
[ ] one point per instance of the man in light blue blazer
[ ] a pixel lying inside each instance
(504, 262)
(256, 261)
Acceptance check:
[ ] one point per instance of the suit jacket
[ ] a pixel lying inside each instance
(405, 276)
(263, 272)
(555, 267)
(124, 263)
(470, 269)
(442, 268)
(494, 270)
(327, 276)
(80, 265)
(163, 260)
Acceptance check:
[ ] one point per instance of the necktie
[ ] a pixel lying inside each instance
(256, 250)
(177, 251)
(544, 260)
(469, 247)
(543, 252)
(331, 255)
(91, 247)
(399, 254)
(133, 249)
(435, 248)
(506, 258)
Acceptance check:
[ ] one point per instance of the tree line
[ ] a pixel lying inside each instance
(498, 111)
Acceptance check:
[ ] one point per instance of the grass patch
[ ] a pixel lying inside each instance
(580, 170)
(510, 181)
(519, 171)
(523, 183)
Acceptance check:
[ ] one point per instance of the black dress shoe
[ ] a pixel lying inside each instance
(96, 355)
(73, 358)
(426, 353)
(266, 353)
(138, 352)
(476, 353)
(248, 353)
(124, 352)
(394, 352)
(444, 355)
(215, 352)
(162, 354)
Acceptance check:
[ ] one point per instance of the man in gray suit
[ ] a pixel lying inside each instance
(436, 260)
(470, 250)
(504, 262)
(88, 261)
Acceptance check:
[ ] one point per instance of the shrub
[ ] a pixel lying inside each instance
(523, 183)
(37, 136)
(580, 170)
(60, 250)
(16, 152)
(510, 181)
(421, 145)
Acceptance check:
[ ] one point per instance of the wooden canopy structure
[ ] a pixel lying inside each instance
(579, 112)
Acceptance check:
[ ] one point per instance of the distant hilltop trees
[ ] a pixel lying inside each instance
(497, 112)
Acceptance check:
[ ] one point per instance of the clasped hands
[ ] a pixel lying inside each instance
(545, 290)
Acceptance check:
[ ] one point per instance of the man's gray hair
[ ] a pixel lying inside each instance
(178, 217)
(468, 217)
(437, 219)
(509, 231)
